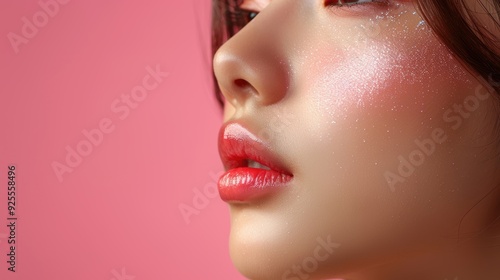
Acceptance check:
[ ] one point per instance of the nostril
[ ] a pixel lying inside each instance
(244, 86)
(241, 83)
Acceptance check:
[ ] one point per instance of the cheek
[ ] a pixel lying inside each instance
(383, 92)
(386, 76)
(229, 111)
(362, 108)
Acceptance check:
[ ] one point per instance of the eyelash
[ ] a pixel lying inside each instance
(351, 3)
(239, 17)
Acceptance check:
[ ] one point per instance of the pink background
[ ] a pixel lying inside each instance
(116, 215)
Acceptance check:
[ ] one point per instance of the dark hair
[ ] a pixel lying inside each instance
(460, 29)
(453, 21)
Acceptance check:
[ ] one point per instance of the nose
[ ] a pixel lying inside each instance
(252, 66)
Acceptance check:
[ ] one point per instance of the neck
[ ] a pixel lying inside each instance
(474, 258)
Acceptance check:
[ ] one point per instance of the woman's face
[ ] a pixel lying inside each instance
(388, 138)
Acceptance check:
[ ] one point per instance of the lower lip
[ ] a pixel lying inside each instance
(245, 183)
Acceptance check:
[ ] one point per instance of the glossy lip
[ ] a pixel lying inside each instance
(241, 183)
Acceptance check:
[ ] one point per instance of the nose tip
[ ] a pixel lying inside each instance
(249, 67)
(232, 79)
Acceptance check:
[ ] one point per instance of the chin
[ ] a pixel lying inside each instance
(263, 249)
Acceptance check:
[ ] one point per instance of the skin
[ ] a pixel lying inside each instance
(349, 91)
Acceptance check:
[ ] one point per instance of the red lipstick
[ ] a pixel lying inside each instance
(253, 171)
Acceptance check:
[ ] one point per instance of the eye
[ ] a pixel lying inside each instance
(239, 18)
(251, 15)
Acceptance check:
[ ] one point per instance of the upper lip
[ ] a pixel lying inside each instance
(237, 146)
